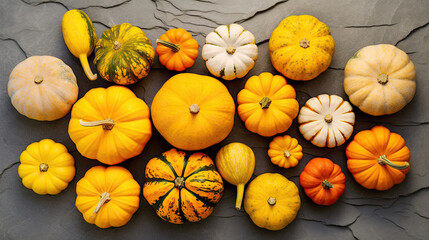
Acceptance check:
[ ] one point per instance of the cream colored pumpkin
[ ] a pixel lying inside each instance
(380, 79)
(230, 52)
(326, 120)
(42, 88)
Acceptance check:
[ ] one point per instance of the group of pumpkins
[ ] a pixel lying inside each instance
(193, 112)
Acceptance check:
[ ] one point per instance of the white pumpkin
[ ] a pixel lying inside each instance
(230, 52)
(326, 120)
(42, 88)
(380, 79)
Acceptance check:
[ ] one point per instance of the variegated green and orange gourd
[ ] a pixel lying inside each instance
(124, 54)
(182, 187)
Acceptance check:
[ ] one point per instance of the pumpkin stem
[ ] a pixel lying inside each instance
(265, 102)
(104, 198)
(38, 79)
(328, 118)
(326, 184)
(382, 78)
(194, 108)
(85, 65)
(106, 124)
(179, 182)
(286, 153)
(117, 45)
(304, 43)
(272, 201)
(172, 46)
(230, 50)
(240, 193)
(43, 167)
(383, 160)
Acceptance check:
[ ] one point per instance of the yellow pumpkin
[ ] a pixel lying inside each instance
(267, 104)
(236, 163)
(110, 125)
(272, 201)
(301, 47)
(43, 88)
(285, 151)
(193, 112)
(46, 167)
(380, 79)
(107, 197)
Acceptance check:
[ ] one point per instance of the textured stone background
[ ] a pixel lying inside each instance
(33, 27)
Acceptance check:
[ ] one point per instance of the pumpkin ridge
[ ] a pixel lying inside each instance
(180, 213)
(210, 167)
(164, 159)
(185, 164)
(205, 200)
(150, 180)
(157, 204)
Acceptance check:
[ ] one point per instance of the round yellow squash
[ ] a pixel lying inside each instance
(193, 112)
(285, 151)
(46, 167)
(43, 88)
(272, 201)
(301, 47)
(380, 79)
(110, 125)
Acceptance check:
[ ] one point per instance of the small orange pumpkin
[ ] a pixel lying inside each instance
(177, 50)
(378, 159)
(285, 151)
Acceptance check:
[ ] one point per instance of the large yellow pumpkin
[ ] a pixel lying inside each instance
(193, 112)
(110, 125)
(301, 47)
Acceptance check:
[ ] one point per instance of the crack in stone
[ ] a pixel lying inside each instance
(7, 168)
(16, 42)
(334, 68)
(412, 32)
(372, 26)
(400, 124)
(332, 225)
(145, 28)
(263, 42)
(106, 7)
(262, 11)
(35, 4)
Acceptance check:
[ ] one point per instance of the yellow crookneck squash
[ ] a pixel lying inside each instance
(193, 112)
(301, 47)
(110, 125)
(182, 187)
(80, 37)
(267, 104)
(107, 197)
(46, 167)
(285, 151)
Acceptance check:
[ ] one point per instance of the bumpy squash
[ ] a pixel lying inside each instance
(267, 104)
(285, 151)
(177, 49)
(80, 37)
(230, 52)
(236, 163)
(110, 125)
(380, 79)
(326, 120)
(46, 167)
(182, 187)
(378, 159)
(193, 112)
(124, 54)
(107, 197)
(301, 47)
(272, 201)
(323, 181)
(42, 88)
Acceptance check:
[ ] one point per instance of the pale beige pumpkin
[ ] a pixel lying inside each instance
(42, 88)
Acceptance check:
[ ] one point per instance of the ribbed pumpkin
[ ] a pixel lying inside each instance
(380, 79)
(177, 49)
(107, 197)
(323, 181)
(267, 104)
(378, 159)
(43, 88)
(124, 54)
(301, 47)
(285, 151)
(182, 187)
(110, 125)
(46, 167)
(193, 112)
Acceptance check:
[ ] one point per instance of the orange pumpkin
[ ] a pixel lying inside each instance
(177, 50)
(323, 181)
(285, 151)
(267, 104)
(378, 159)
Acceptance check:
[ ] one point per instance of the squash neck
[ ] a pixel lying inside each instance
(106, 124)
(382, 160)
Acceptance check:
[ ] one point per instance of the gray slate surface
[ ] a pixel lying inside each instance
(33, 27)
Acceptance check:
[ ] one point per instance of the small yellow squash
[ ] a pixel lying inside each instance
(285, 151)
(236, 163)
(46, 167)
(272, 201)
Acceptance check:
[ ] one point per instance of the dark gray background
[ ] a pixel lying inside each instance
(33, 27)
